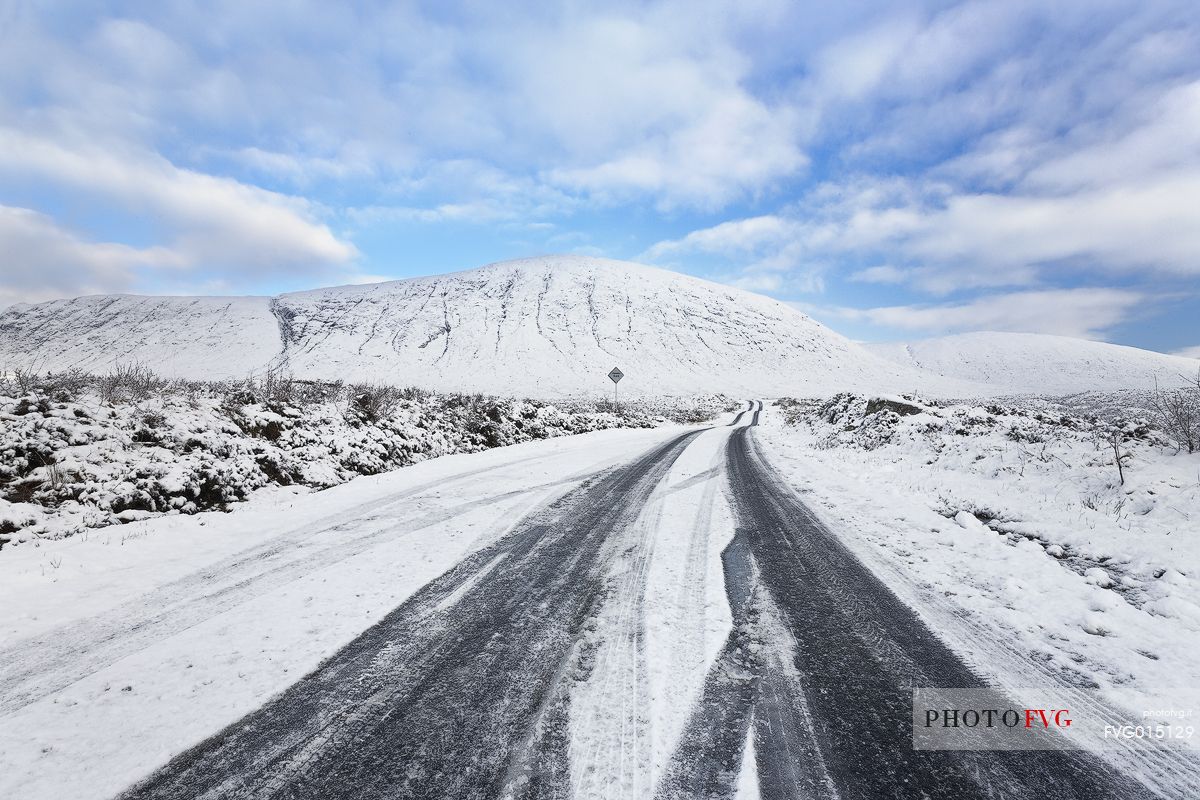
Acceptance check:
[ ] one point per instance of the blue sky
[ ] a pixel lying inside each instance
(895, 170)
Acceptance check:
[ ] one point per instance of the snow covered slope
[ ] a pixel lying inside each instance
(1039, 363)
(543, 327)
(185, 336)
(557, 325)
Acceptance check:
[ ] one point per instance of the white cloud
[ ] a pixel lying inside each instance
(1151, 223)
(882, 273)
(730, 238)
(302, 170)
(626, 101)
(766, 252)
(852, 67)
(1083, 313)
(973, 145)
(478, 212)
(1122, 204)
(1188, 352)
(738, 146)
(42, 260)
(214, 222)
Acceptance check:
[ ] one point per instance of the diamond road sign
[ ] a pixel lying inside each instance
(616, 374)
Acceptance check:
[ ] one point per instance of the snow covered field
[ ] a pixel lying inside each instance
(1005, 527)
(1010, 525)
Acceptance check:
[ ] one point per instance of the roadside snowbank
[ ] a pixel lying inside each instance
(77, 458)
(1013, 522)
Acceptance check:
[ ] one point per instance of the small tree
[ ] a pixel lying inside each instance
(1114, 441)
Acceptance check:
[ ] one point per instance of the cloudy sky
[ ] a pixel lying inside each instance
(895, 170)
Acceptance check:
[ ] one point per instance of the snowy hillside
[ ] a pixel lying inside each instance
(557, 325)
(542, 327)
(178, 336)
(1039, 363)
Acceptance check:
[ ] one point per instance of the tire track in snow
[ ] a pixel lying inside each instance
(610, 756)
(1170, 772)
(442, 702)
(856, 652)
(648, 642)
(708, 756)
(36, 667)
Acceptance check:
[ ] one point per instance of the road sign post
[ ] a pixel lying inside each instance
(615, 376)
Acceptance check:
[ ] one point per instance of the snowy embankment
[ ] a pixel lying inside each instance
(1011, 528)
(80, 452)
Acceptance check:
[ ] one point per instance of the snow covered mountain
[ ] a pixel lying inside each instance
(544, 326)
(548, 327)
(1040, 363)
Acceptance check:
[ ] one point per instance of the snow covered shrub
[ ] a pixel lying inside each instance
(129, 382)
(65, 386)
(25, 380)
(278, 388)
(32, 403)
(414, 393)
(132, 445)
(855, 420)
(795, 411)
(372, 402)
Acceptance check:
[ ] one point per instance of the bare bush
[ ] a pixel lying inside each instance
(1177, 412)
(67, 385)
(25, 380)
(129, 382)
(415, 393)
(372, 402)
(62, 386)
(463, 400)
(278, 388)
(314, 392)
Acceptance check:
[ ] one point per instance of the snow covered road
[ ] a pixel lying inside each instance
(826, 658)
(626, 614)
(123, 648)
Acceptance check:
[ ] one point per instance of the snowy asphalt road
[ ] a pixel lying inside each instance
(460, 692)
(824, 658)
(466, 689)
